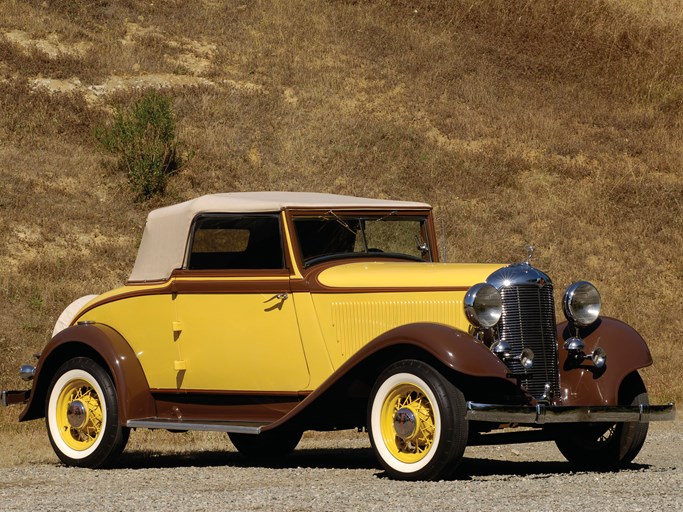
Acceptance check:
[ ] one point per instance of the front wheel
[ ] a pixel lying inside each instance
(82, 415)
(607, 446)
(416, 420)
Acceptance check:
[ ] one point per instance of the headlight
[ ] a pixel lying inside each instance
(483, 306)
(581, 303)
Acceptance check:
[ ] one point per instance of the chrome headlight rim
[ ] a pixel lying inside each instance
(581, 303)
(483, 305)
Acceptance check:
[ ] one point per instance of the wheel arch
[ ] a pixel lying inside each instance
(627, 353)
(110, 350)
(631, 385)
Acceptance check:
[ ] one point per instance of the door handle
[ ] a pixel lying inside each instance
(280, 296)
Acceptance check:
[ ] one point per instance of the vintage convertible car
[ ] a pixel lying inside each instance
(267, 314)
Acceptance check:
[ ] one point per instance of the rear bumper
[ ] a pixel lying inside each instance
(542, 414)
(11, 397)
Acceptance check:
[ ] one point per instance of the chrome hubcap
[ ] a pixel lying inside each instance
(76, 413)
(405, 423)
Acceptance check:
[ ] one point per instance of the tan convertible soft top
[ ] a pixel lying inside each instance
(164, 240)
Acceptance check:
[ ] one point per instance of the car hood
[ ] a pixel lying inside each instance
(406, 275)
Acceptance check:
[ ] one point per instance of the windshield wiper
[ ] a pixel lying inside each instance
(342, 222)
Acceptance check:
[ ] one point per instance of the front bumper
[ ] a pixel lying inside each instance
(542, 414)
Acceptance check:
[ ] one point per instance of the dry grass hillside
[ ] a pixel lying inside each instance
(555, 123)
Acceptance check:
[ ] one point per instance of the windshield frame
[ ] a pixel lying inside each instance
(341, 215)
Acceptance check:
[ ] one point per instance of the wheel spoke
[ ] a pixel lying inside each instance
(94, 424)
(82, 435)
(414, 399)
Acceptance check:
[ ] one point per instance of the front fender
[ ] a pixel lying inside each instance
(455, 349)
(586, 385)
(100, 342)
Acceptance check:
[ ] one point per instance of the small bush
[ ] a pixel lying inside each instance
(143, 137)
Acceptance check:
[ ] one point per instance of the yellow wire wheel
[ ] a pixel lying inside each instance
(416, 421)
(407, 422)
(81, 415)
(76, 413)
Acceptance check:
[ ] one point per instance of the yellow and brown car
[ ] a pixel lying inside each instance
(267, 314)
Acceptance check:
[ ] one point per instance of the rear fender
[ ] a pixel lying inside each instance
(585, 384)
(107, 347)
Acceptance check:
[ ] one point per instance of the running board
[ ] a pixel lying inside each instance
(235, 427)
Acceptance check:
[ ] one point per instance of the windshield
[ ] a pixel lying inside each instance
(341, 235)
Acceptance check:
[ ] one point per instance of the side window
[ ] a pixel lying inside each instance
(233, 242)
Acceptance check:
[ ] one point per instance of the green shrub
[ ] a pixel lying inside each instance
(143, 138)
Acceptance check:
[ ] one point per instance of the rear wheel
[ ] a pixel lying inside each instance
(607, 445)
(82, 415)
(416, 420)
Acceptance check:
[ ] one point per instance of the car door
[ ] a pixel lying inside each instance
(236, 323)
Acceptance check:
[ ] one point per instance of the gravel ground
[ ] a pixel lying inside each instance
(338, 472)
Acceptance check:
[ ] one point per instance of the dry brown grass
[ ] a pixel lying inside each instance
(557, 123)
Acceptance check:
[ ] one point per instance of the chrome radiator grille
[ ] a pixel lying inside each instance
(528, 321)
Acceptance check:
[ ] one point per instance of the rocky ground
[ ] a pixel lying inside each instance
(338, 472)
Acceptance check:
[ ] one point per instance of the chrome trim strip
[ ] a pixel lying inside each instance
(4, 398)
(236, 428)
(541, 414)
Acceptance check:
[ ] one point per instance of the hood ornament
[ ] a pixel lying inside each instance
(530, 254)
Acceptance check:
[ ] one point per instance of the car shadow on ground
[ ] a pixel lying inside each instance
(481, 467)
(345, 458)
(339, 458)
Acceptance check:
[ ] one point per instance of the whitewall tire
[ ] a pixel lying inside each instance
(81, 415)
(416, 420)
